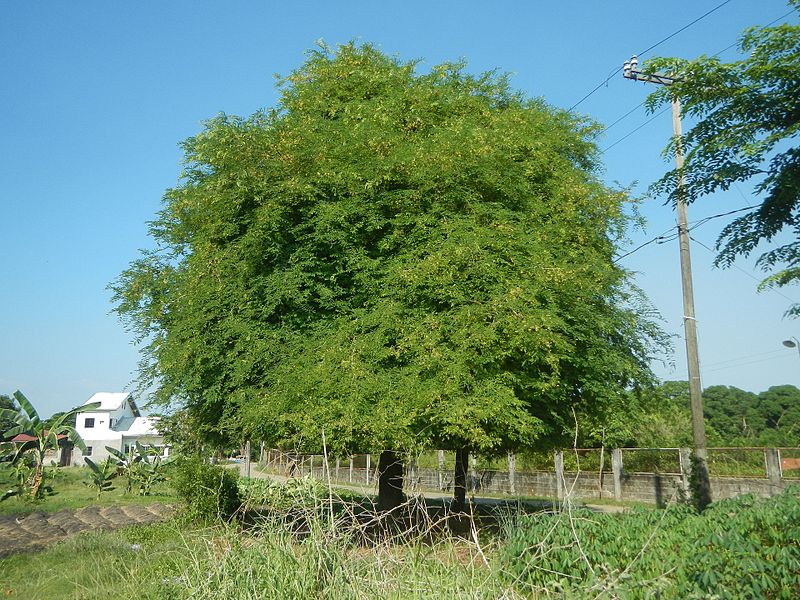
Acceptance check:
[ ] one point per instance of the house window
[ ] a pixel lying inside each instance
(88, 423)
(111, 422)
(88, 451)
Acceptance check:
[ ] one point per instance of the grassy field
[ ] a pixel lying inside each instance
(172, 560)
(70, 491)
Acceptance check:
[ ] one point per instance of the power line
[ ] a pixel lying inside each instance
(663, 238)
(631, 111)
(630, 133)
(627, 114)
(752, 362)
(670, 36)
(703, 221)
(741, 358)
(659, 239)
(750, 275)
(685, 27)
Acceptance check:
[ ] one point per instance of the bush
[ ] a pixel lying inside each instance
(304, 492)
(741, 548)
(210, 492)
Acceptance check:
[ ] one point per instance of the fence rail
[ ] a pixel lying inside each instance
(643, 474)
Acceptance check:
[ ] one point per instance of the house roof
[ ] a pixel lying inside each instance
(113, 401)
(137, 426)
(24, 437)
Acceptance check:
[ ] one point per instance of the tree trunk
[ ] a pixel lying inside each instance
(390, 481)
(460, 479)
(38, 478)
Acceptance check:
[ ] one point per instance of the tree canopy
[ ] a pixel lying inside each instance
(748, 118)
(734, 417)
(397, 258)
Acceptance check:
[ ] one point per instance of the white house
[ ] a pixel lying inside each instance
(116, 423)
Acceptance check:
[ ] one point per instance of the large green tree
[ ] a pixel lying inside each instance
(748, 118)
(394, 259)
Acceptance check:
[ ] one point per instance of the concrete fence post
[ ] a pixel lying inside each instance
(336, 474)
(616, 470)
(685, 460)
(440, 473)
(558, 460)
(369, 466)
(473, 476)
(772, 459)
(350, 473)
(247, 458)
(512, 472)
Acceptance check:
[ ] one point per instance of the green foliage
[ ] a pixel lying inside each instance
(142, 466)
(664, 418)
(741, 548)
(71, 492)
(748, 114)
(400, 259)
(6, 421)
(210, 493)
(734, 417)
(301, 492)
(125, 465)
(100, 477)
(148, 468)
(22, 475)
(27, 421)
(771, 418)
(183, 433)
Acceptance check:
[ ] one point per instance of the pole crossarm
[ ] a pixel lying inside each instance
(630, 70)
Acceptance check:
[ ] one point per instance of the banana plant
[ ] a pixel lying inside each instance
(27, 421)
(22, 471)
(126, 465)
(149, 469)
(101, 476)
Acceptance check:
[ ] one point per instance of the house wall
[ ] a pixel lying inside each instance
(99, 452)
(101, 429)
(103, 434)
(146, 440)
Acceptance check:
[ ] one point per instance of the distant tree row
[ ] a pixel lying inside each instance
(734, 417)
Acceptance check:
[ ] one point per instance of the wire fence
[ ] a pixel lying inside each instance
(435, 468)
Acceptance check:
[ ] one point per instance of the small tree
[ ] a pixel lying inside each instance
(147, 469)
(101, 476)
(125, 463)
(28, 422)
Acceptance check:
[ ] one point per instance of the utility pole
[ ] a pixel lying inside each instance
(702, 489)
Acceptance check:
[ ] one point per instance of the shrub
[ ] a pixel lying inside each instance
(304, 492)
(742, 548)
(210, 492)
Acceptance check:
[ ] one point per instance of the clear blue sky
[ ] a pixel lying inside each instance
(96, 96)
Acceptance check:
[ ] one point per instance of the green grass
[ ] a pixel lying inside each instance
(96, 565)
(70, 492)
(173, 562)
(299, 552)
